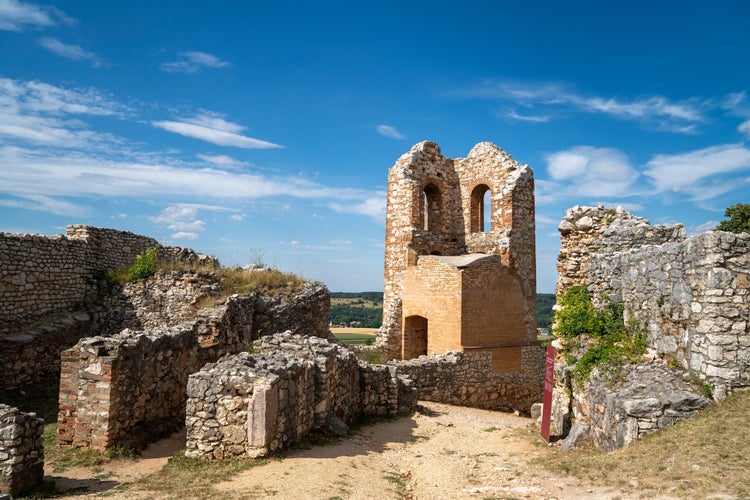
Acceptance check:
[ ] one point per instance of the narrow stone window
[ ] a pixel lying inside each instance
(431, 208)
(481, 209)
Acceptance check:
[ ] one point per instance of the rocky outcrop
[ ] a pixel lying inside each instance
(641, 400)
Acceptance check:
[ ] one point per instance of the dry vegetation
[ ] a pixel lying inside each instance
(697, 458)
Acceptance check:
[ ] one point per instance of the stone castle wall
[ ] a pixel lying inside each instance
(691, 296)
(255, 404)
(48, 287)
(21, 451)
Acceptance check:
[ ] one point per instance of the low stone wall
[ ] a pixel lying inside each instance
(21, 451)
(467, 379)
(255, 404)
(649, 398)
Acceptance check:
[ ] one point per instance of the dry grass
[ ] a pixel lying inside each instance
(184, 477)
(697, 458)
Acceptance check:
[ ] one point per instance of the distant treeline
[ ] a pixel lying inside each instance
(373, 296)
(371, 317)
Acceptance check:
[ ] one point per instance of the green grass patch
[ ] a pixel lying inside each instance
(355, 338)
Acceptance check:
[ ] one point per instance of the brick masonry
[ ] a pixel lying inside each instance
(457, 278)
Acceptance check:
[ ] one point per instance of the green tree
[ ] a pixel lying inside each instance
(739, 219)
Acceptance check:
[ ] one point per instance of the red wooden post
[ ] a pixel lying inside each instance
(549, 383)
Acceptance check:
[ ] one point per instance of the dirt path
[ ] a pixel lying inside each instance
(441, 452)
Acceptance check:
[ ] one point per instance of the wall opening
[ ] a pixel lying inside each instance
(481, 209)
(415, 337)
(431, 208)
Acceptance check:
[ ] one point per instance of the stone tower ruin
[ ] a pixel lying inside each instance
(460, 264)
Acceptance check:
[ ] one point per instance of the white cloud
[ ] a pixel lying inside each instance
(184, 235)
(745, 128)
(389, 131)
(238, 217)
(37, 97)
(689, 172)
(589, 171)
(514, 115)
(373, 207)
(706, 226)
(15, 16)
(193, 61)
(556, 98)
(222, 160)
(340, 242)
(73, 52)
(211, 128)
(44, 114)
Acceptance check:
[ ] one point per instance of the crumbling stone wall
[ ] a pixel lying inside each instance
(255, 404)
(21, 451)
(468, 379)
(691, 296)
(47, 291)
(127, 387)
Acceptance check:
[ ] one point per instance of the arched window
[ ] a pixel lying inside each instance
(481, 209)
(431, 208)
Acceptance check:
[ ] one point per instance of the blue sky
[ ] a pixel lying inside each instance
(265, 129)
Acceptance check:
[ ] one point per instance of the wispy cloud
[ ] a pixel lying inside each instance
(74, 52)
(745, 128)
(557, 99)
(512, 114)
(211, 128)
(373, 206)
(222, 160)
(15, 16)
(44, 114)
(389, 131)
(589, 171)
(193, 61)
(701, 173)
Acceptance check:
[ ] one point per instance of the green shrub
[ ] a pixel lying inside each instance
(577, 315)
(144, 267)
(612, 342)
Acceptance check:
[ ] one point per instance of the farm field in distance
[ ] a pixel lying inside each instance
(356, 336)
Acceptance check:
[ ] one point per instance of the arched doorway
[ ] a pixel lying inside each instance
(414, 337)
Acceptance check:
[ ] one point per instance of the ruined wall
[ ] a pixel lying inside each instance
(21, 451)
(48, 288)
(255, 404)
(582, 233)
(129, 386)
(469, 379)
(435, 207)
(690, 296)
